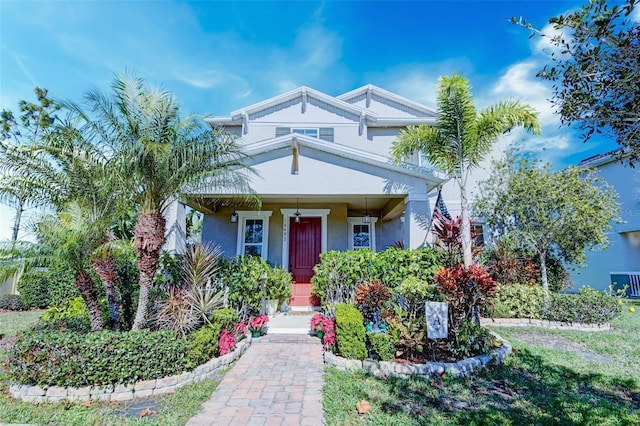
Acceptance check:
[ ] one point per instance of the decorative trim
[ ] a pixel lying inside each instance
(553, 325)
(243, 215)
(287, 214)
(428, 370)
(372, 230)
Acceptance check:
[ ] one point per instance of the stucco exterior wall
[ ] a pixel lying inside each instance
(623, 255)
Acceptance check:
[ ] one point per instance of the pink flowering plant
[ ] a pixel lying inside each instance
(258, 322)
(240, 330)
(226, 342)
(320, 323)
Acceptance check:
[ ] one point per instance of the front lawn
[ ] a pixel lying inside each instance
(559, 378)
(13, 322)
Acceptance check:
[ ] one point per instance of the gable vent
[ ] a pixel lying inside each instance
(326, 134)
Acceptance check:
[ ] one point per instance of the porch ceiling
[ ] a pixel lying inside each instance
(390, 205)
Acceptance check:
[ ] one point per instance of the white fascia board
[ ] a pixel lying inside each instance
(388, 95)
(347, 152)
(276, 100)
(222, 121)
(401, 122)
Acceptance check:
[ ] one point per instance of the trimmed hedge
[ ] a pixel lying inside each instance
(67, 358)
(41, 288)
(518, 301)
(350, 332)
(589, 306)
(202, 345)
(383, 346)
(340, 272)
(226, 317)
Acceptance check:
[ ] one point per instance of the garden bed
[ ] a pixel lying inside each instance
(142, 389)
(429, 369)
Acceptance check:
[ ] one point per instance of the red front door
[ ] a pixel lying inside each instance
(305, 245)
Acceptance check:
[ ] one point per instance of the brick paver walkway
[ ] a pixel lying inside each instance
(278, 381)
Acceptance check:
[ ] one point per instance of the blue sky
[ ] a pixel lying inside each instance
(216, 57)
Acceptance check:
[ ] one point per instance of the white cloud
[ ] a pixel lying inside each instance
(543, 42)
(635, 15)
(520, 82)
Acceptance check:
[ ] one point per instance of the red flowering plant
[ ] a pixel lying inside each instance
(240, 330)
(258, 322)
(226, 342)
(325, 328)
(465, 289)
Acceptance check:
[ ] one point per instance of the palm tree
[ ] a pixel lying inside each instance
(462, 138)
(163, 156)
(63, 169)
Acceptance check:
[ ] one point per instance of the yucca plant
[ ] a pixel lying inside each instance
(199, 267)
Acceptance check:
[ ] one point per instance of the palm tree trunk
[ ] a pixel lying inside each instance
(84, 285)
(16, 224)
(107, 271)
(465, 228)
(148, 240)
(543, 275)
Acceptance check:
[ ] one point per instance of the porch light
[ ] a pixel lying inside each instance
(366, 218)
(234, 217)
(297, 215)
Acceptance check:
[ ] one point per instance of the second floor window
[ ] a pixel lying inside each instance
(308, 132)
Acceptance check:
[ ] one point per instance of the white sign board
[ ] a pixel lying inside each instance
(437, 317)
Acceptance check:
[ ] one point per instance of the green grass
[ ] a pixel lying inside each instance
(173, 409)
(13, 322)
(536, 385)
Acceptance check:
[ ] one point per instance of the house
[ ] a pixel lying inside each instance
(619, 263)
(325, 178)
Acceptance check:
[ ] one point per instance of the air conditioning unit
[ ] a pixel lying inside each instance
(630, 279)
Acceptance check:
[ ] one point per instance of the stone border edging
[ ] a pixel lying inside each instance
(554, 325)
(142, 389)
(460, 368)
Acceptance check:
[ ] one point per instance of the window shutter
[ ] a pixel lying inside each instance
(281, 131)
(326, 134)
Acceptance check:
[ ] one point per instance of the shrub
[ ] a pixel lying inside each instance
(242, 276)
(393, 265)
(588, 306)
(202, 345)
(517, 301)
(371, 297)
(40, 288)
(67, 358)
(383, 346)
(79, 324)
(65, 310)
(174, 313)
(339, 273)
(469, 340)
(350, 332)
(11, 302)
(278, 284)
(226, 317)
(413, 293)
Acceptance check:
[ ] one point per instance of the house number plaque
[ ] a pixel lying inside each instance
(437, 317)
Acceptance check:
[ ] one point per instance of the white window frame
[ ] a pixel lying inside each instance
(243, 216)
(351, 221)
(317, 129)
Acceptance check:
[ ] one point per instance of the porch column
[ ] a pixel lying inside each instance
(176, 230)
(417, 214)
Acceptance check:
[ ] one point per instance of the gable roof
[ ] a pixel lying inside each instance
(382, 162)
(304, 93)
(369, 91)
